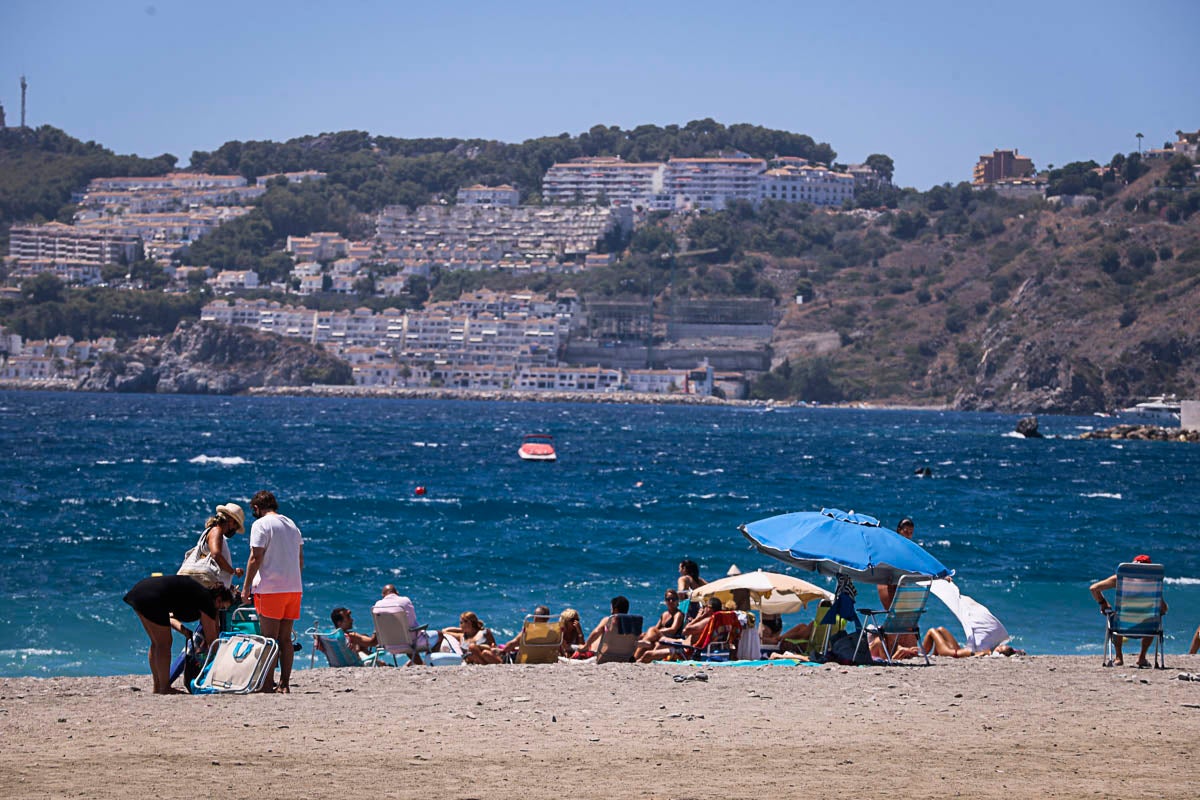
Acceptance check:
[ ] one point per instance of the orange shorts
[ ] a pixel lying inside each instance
(278, 605)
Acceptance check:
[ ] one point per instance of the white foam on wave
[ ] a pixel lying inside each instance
(703, 472)
(26, 652)
(104, 462)
(1108, 495)
(225, 461)
(1013, 435)
(1182, 581)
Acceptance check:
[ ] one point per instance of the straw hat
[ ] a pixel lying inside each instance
(234, 512)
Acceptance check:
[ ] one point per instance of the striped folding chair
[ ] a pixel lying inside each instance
(1138, 610)
(904, 616)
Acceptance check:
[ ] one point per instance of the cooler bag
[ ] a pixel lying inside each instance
(237, 664)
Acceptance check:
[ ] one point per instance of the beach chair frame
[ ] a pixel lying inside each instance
(540, 641)
(1137, 609)
(619, 639)
(395, 637)
(904, 616)
(337, 650)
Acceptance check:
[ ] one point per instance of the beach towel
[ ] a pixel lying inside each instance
(981, 629)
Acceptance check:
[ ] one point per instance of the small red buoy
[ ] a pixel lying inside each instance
(419, 491)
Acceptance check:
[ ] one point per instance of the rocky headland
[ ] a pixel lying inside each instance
(208, 358)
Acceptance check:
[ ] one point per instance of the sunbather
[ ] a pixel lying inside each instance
(1097, 589)
(572, 632)
(674, 647)
(941, 642)
(343, 621)
(670, 623)
(478, 644)
(619, 605)
(510, 649)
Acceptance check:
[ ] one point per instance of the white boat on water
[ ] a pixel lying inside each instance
(1162, 410)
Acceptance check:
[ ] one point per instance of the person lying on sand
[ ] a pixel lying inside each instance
(941, 642)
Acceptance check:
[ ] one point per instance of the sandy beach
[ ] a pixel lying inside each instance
(1045, 726)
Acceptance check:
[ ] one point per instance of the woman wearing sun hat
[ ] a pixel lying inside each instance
(225, 522)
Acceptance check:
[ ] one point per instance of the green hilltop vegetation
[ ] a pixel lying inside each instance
(949, 296)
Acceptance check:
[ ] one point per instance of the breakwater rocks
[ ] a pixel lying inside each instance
(543, 396)
(1151, 433)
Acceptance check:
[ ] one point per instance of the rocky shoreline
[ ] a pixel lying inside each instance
(1150, 433)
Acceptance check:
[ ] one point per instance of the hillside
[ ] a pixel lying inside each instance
(1056, 310)
(948, 297)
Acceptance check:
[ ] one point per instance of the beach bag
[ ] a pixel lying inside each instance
(841, 650)
(238, 663)
(199, 564)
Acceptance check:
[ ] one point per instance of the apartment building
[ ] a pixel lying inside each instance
(803, 183)
(487, 237)
(480, 195)
(592, 179)
(235, 279)
(709, 184)
(57, 243)
(172, 180)
(162, 233)
(1001, 164)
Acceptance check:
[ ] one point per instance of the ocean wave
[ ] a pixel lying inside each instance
(1108, 495)
(225, 461)
(26, 652)
(1182, 581)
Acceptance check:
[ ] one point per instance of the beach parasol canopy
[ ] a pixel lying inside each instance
(770, 592)
(835, 542)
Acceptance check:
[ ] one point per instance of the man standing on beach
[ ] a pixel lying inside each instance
(273, 578)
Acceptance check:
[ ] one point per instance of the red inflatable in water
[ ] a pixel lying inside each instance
(419, 491)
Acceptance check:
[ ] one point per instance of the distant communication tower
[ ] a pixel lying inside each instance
(24, 86)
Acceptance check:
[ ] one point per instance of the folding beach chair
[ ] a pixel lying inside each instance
(718, 641)
(337, 651)
(395, 637)
(540, 641)
(908, 604)
(619, 639)
(1137, 610)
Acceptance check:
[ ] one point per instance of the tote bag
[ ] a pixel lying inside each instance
(198, 563)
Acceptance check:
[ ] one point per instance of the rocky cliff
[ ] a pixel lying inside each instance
(208, 358)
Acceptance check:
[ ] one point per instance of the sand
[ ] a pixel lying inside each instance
(1036, 726)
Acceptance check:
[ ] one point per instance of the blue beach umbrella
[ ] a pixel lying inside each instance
(834, 542)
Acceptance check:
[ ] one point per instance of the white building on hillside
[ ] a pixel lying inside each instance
(480, 195)
(588, 180)
(711, 183)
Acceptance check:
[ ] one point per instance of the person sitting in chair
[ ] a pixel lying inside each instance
(1097, 589)
(510, 649)
(619, 605)
(392, 602)
(343, 621)
(670, 624)
(674, 647)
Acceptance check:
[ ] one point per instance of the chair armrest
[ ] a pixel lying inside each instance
(421, 628)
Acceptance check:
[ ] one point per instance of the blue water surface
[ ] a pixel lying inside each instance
(99, 491)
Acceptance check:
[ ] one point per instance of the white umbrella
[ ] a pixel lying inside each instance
(770, 592)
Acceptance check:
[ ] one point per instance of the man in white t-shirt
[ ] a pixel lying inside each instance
(393, 602)
(273, 578)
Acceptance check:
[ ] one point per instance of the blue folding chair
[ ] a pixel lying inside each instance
(1138, 609)
(904, 616)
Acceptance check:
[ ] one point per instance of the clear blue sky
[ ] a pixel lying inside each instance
(932, 84)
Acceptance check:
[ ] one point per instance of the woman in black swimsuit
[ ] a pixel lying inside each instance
(164, 602)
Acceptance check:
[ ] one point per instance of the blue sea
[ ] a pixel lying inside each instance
(99, 491)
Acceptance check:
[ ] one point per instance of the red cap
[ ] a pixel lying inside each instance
(1142, 559)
